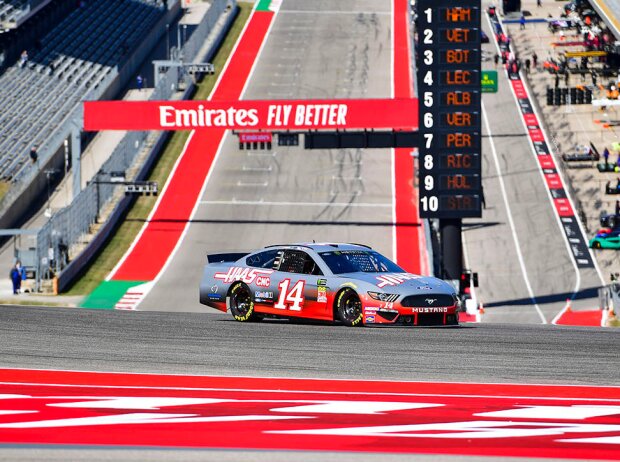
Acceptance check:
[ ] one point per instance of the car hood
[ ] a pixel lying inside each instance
(399, 283)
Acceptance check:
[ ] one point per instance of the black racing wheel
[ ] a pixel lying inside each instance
(240, 303)
(596, 245)
(349, 308)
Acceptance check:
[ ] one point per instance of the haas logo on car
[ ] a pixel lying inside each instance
(247, 275)
(394, 279)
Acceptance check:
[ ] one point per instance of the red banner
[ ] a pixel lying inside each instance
(252, 115)
(255, 137)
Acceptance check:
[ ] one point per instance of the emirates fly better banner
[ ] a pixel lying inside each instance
(263, 115)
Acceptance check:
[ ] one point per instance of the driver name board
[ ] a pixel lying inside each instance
(448, 63)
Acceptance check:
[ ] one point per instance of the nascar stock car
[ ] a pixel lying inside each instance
(350, 283)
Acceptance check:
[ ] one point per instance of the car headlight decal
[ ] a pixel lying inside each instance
(383, 297)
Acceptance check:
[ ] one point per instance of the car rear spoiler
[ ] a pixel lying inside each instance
(223, 257)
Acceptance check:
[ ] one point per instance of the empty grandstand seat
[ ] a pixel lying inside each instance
(74, 56)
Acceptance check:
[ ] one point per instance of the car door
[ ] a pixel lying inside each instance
(298, 293)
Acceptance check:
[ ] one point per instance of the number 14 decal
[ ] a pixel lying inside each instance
(291, 299)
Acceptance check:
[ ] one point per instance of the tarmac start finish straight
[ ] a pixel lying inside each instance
(44, 407)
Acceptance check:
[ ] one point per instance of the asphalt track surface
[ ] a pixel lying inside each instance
(215, 344)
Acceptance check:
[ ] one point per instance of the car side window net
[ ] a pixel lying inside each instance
(297, 261)
(264, 259)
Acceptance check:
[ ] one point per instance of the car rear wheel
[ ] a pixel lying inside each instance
(596, 245)
(349, 308)
(240, 303)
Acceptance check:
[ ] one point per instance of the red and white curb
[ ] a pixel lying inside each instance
(133, 297)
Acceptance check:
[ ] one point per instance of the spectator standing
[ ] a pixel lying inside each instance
(23, 58)
(139, 82)
(535, 60)
(16, 277)
(606, 156)
(617, 207)
(496, 59)
(527, 65)
(34, 155)
(522, 22)
(538, 2)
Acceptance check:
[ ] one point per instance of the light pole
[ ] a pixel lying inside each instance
(168, 42)
(48, 175)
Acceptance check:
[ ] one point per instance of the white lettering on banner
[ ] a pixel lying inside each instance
(278, 115)
(247, 275)
(170, 117)
(320, 114)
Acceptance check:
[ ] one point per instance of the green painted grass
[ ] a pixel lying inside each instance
(136, 217)
(106, 295)
(263, 5)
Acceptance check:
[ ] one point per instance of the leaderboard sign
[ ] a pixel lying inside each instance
(449, 108)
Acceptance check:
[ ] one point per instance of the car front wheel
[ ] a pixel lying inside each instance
(349, 308)
(596, 245)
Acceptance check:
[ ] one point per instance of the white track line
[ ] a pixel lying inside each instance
(513, 230)
(298, 204)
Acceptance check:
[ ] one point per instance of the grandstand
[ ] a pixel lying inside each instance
(76, 56)
(13, 12)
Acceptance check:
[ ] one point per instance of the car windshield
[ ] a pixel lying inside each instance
(354, 261)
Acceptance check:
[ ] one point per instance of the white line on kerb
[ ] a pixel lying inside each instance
(510, 220)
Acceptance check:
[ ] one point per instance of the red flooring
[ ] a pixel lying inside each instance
(150, 410)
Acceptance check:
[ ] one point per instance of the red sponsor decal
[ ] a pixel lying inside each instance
(518, 88)
(563, 207)
(536, 135)
(531, 120)
(284, 114)
(247, 275)
(255, 137)
(546, 161)
(394, 279)
(71, 408)
(553, 181)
